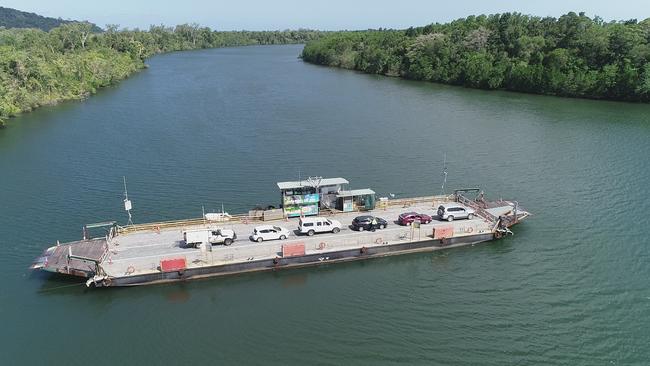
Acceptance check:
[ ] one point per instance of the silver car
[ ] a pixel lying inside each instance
(455, 211)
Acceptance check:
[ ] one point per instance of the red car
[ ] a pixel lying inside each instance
(408, 217)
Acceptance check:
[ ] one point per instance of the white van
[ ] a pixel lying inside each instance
(312, 225)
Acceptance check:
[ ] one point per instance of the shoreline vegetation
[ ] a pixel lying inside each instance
(70, 62)
(570, 56)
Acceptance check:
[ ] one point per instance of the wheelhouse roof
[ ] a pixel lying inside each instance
(308, 183)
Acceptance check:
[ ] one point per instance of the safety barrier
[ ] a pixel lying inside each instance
(161, 225)
(406, 202)
(157, 226)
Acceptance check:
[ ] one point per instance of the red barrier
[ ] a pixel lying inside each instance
(171, 265)
(442, 232)
(292, 250)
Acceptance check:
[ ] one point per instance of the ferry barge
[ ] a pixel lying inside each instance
(158, 253)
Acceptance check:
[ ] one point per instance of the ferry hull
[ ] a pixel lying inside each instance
(296, 262)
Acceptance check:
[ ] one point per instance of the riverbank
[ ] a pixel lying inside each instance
(70, 62)
(572, 56)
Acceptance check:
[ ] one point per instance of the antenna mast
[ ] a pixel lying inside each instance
(444, 175)
(127, 203)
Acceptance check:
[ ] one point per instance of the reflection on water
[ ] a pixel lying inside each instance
(294, 279)
(179, 294)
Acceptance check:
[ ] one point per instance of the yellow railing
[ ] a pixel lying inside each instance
(407, 202)
(161, 225)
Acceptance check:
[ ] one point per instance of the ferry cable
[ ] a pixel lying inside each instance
(60, 287)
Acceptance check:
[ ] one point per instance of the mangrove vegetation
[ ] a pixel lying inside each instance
(72, 61)
(573, 55)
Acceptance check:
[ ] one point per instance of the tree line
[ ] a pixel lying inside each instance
(573, 55)
(72, 61)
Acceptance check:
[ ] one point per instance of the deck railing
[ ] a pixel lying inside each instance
(407, 202)
(157, 226)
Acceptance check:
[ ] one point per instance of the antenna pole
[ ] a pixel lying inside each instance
(444, 174)
(127, 203)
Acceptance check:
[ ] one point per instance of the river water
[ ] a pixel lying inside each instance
(213, 127)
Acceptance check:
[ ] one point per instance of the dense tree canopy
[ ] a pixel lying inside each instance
(70, 61)
(573, 55)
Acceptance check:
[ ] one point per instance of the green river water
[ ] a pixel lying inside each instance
(220, 126)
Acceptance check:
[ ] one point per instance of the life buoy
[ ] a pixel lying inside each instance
(275, 261)
(107, 282)
(469, 230)
(130, 270)
(322, 245)
(363, 250)
(379, 241)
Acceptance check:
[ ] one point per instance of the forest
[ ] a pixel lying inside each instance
(573, 55)
(73, 61)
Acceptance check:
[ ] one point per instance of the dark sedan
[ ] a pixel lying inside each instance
(367, 222)
(408, 217)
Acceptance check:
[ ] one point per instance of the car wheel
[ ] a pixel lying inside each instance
(470, 216)
(260, 239)
(282, 237)
(310, 233)
(336, 230)
(227, 242)
(360, 228)
(450, 218)
(383, 226)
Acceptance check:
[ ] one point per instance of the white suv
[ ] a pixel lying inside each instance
(452, 211)
(312, 225)
(269, 232)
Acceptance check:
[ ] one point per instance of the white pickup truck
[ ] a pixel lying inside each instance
(212, 236)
